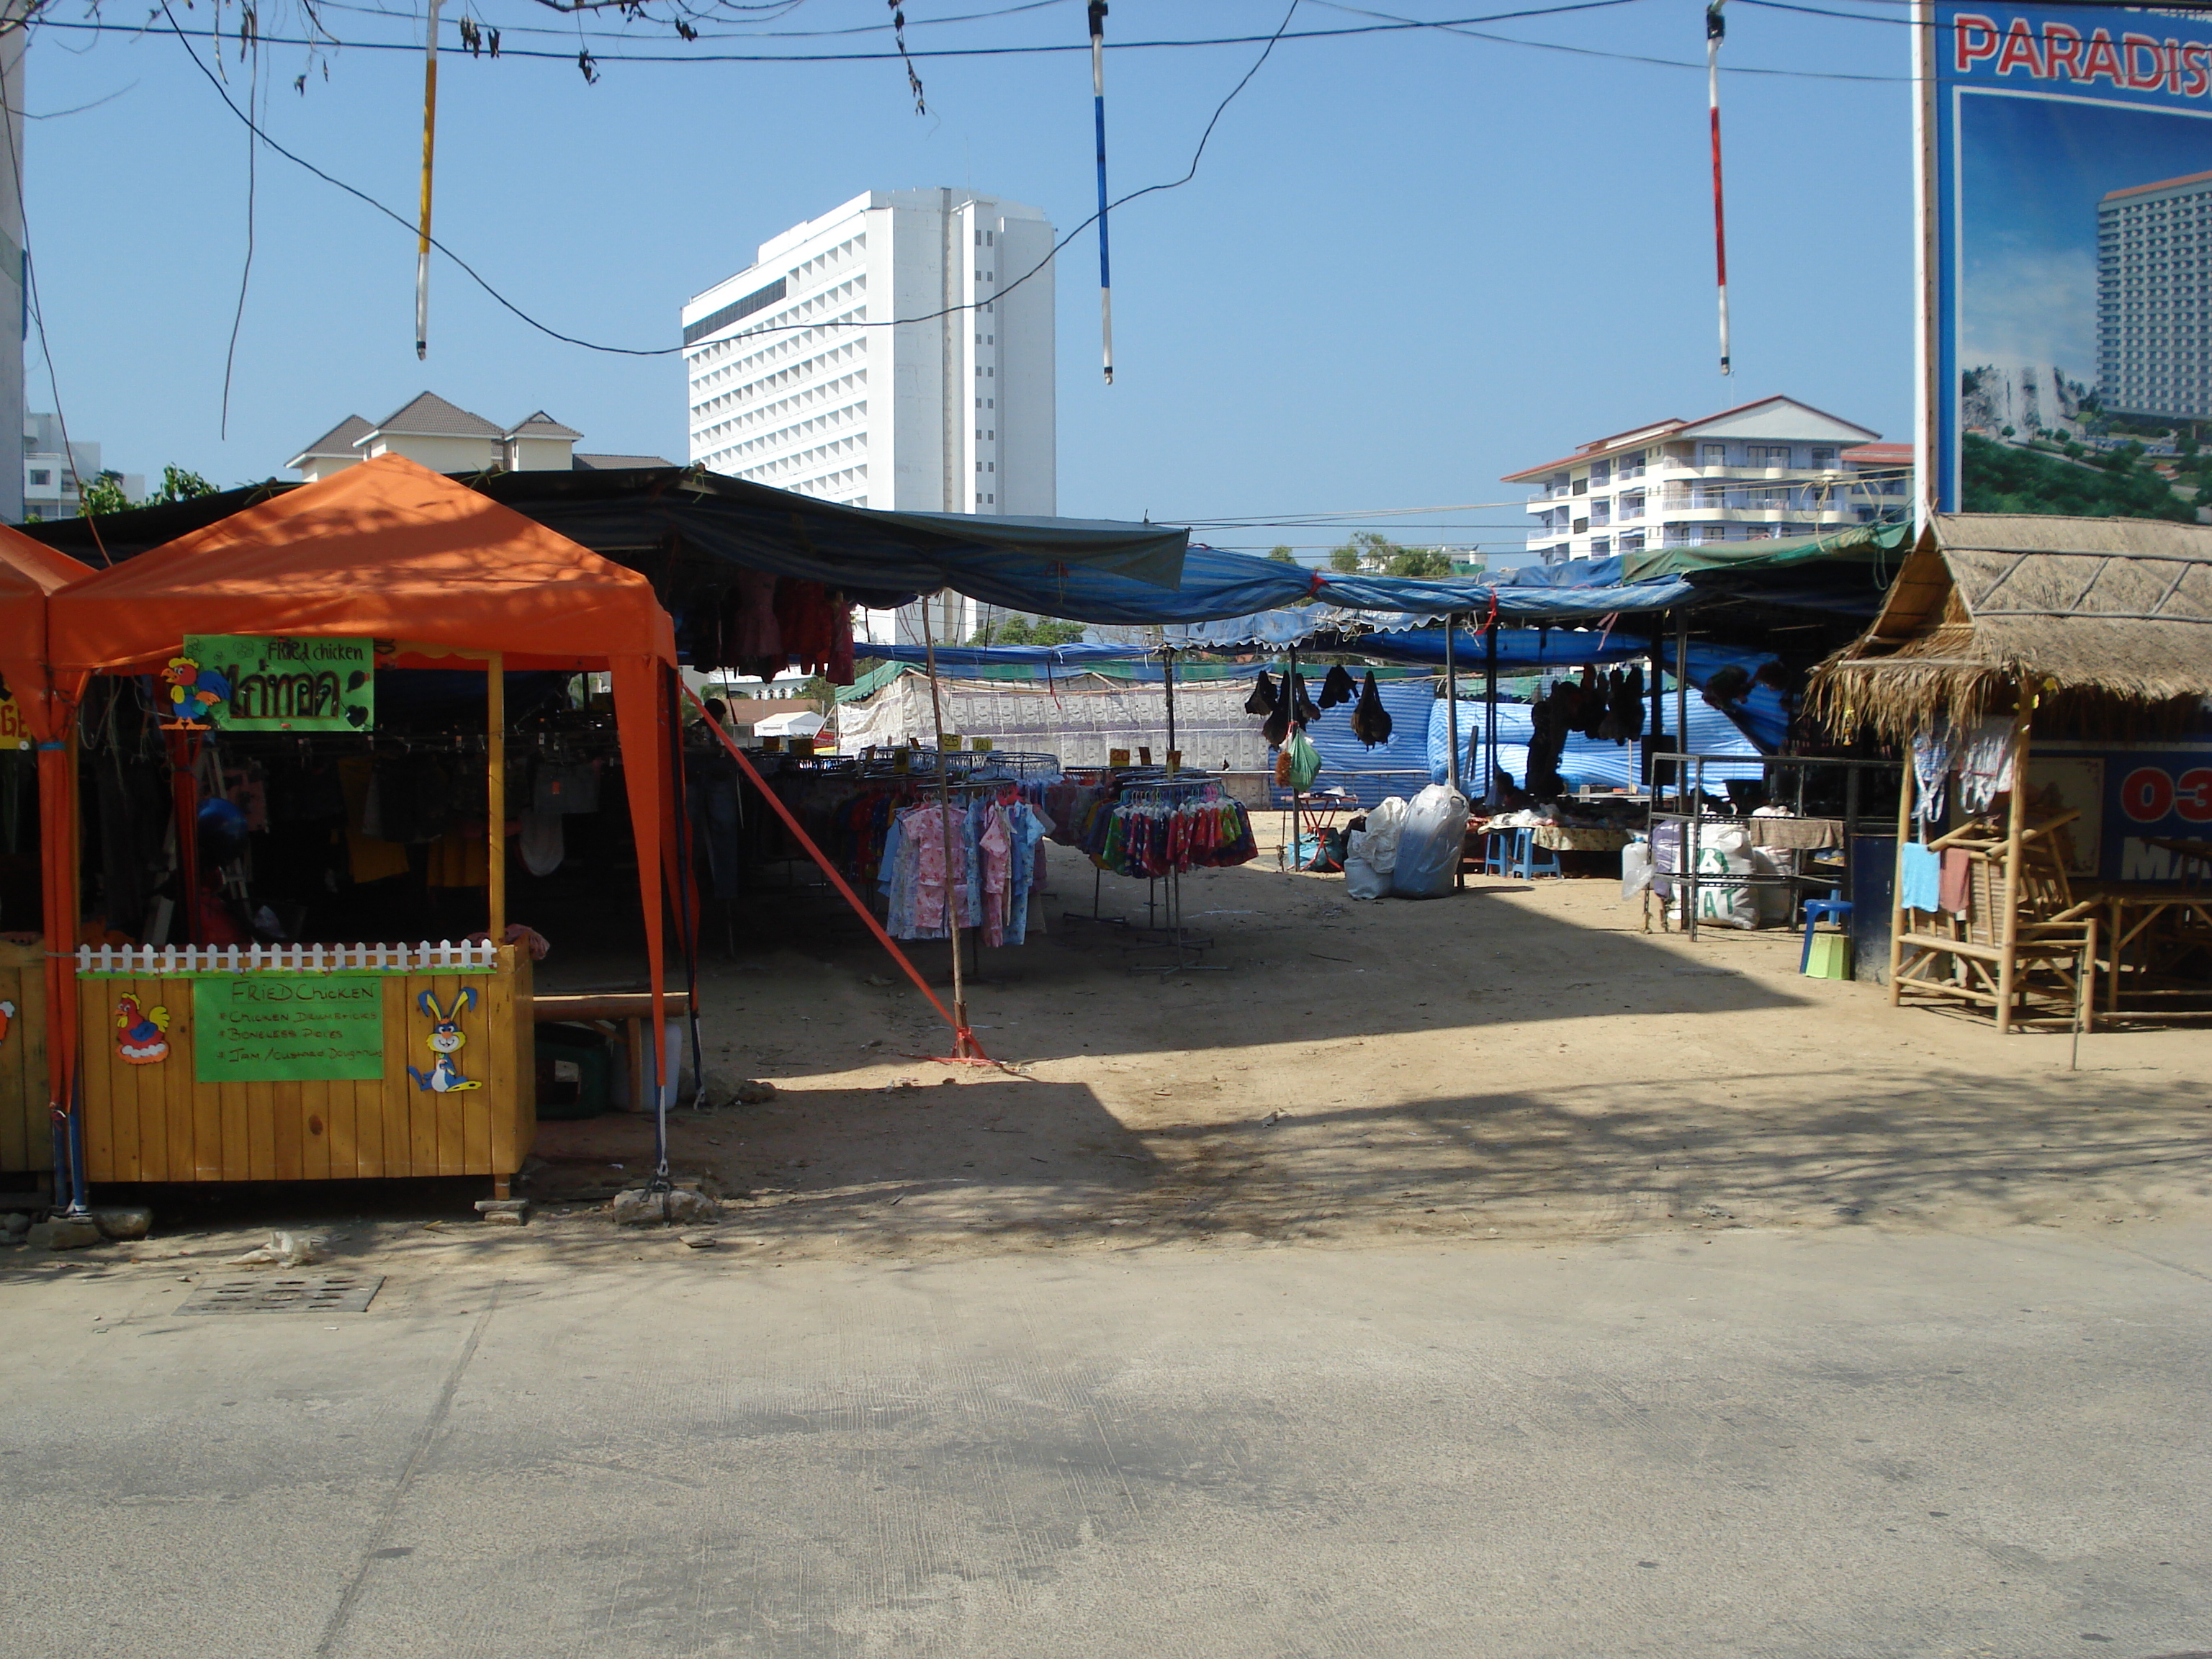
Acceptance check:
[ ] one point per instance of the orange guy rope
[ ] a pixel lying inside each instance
(963, 1037)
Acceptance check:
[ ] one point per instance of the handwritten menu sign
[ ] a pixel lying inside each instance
(283, 1028)
(246, 683)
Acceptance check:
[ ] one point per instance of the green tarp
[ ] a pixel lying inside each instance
(1861, 543)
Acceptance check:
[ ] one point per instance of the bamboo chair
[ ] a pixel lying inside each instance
(2036, 962)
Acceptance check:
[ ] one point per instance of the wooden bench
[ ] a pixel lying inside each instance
(629, 1010)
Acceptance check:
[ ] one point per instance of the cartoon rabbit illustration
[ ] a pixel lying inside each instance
(445, 1040)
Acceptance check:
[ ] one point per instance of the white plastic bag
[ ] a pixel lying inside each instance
(1776, 899)
(1377, 844)
(1362, 880)
(1635, 868)
(1428, 846)
(1722, 852)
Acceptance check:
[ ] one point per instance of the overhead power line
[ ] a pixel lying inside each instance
(1037, 49)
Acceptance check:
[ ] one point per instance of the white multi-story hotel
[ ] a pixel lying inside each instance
(896, 352)
(1766, 470)
(2155, 299)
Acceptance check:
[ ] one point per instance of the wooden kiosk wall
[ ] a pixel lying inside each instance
(154, 1122)
(27, 1137)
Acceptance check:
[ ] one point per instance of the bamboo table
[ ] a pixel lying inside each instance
(2134, 910)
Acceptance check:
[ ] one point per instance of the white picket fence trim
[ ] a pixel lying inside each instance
(442, 957)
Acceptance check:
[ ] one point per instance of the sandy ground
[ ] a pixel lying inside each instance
(1516, 1062)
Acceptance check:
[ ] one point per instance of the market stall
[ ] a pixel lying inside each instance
(28, 573)
(2021, 874)
(229, 1058)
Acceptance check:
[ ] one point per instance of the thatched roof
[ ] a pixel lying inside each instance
(2110, 609)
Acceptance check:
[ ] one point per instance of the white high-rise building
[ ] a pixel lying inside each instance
(2154, 323)
(15, 33)
(896, 353)
(1774, 469)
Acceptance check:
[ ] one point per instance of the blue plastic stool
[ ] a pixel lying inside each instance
(1496, 852)
(1816, 912)
(1530, 861)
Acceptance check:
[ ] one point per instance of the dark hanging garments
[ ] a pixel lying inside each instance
(1276, 730)
(1302, 707)
(1371, 721)
(1550, 721)
(1633, 691)
(1263, 700)
(1595, 702)
(1338, 687)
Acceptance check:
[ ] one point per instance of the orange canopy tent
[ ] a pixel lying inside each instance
(431, 570)
(28, 573)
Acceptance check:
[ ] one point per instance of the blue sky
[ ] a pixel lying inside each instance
(1409, 262)
(2033, 172)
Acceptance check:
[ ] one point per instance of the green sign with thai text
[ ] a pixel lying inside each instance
(282, 683)
(288, 1028)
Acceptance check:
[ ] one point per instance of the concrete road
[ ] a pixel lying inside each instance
(1852, 1445)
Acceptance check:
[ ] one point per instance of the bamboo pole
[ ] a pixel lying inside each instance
(495, 795)
(1897, 881)
(2015, 831)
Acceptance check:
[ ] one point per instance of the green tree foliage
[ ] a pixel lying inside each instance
(1021, 631)
(2000, 479)
(1419, 561)
(1281, 555)
(1369, 550)
(105, 493)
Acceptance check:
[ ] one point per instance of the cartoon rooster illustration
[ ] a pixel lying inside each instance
(145, 1039)
(193, 690)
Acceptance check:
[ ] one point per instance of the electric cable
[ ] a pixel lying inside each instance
(223, 92)
(1041, 49)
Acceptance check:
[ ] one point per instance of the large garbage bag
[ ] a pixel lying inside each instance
(1428, 846)
(1386, 826)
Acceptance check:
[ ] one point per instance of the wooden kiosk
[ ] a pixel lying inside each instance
(391, 1058)
(28, 573)
(2000, 631)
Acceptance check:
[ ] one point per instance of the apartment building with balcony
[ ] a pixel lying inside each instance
(1773, 470)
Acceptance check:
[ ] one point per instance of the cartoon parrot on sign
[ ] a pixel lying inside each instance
(193, 690)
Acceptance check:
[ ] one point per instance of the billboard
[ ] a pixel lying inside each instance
(2066, 217)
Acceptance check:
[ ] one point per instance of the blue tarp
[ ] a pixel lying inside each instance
(1587, 760)
(1067, 658)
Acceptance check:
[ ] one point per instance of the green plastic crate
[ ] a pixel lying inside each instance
(1830, 956)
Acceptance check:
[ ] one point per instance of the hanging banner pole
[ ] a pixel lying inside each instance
(429, 147)
(1098, 111)
(1714, 30)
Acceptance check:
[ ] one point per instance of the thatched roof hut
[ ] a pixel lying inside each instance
(2111, 619)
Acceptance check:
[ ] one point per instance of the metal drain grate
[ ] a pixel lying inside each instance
(292, 1293)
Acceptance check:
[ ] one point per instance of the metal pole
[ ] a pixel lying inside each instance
(1658, 709)
(1681, 699)
(955, 884)
(1098, 108)
(495, 796)
(1489, 714)
(1451, 700)
(1715, 28)
(430, 147)
(1290, 694)
(1168, 662)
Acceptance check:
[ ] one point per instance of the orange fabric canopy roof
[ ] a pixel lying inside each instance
(29, 571)
(387, 550)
